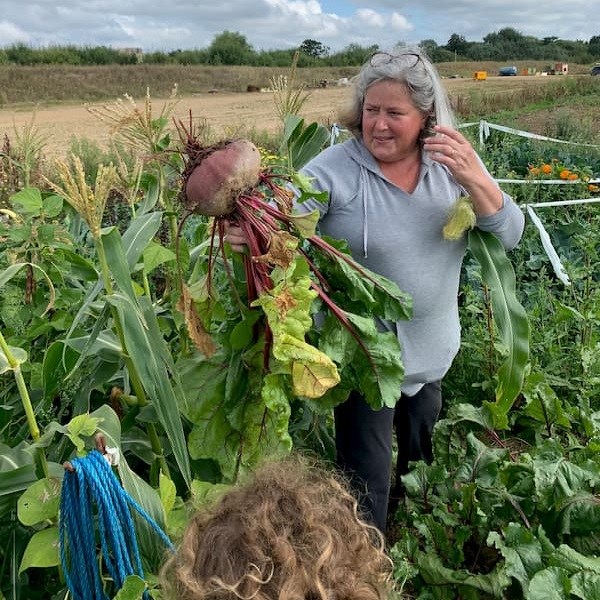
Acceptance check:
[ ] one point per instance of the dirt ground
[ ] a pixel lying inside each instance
(226, 114)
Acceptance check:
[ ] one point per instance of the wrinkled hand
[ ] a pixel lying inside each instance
(452, 149)
(235, 237)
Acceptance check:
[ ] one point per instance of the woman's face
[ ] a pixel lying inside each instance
(391, 124)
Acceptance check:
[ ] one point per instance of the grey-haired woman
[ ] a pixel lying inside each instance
(391, 187)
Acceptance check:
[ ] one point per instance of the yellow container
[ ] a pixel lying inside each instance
(480, 75)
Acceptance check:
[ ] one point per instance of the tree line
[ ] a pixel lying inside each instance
(232, 48)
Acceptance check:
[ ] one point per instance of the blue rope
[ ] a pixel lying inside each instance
(93, 485)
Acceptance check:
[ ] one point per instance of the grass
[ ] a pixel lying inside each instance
(48, 84)
(23, 86)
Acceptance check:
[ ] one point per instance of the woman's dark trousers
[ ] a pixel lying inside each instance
(364, 443)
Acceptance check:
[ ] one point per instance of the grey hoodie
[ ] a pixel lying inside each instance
(399, 236)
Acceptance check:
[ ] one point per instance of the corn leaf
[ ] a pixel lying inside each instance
(300, 143)
(149, 354)
(509, 316)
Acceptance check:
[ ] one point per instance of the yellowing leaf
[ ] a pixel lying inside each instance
(306, 223)
(196, 330)
(312, 380)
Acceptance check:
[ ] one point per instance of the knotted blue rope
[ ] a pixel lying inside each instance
(93, 485)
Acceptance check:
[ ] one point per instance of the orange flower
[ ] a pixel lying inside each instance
(593, 188)
(565, 174)
(547, 169)
(573, 177)
(534, 170)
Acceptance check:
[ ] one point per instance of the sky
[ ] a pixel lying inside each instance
(164, 25)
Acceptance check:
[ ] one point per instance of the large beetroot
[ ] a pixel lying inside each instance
(219, 174)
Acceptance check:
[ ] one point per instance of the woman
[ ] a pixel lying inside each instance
(291, 531)
(391, 188)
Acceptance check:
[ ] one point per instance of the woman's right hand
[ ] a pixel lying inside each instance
(235, 237)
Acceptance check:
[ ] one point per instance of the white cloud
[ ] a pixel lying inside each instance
(11, 33)
(279, 24)
(370, 18)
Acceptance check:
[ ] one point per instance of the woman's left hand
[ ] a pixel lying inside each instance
(452, 149)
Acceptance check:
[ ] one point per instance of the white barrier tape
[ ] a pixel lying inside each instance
(562, 202)
(549, 248)
(550, 181)
(485, 126)
(336, 130)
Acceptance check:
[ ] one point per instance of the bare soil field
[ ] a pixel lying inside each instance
(224, 113)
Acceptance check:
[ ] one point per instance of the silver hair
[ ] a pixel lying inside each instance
(410, 66)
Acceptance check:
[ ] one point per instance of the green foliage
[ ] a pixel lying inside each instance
(313, 48)
(93, 339)
(232, 48)
(229, 48)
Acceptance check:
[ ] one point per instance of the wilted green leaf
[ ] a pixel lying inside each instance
(287, 307)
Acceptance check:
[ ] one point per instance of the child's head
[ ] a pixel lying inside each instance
(291, 532)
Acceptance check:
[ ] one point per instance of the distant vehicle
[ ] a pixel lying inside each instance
(595, 69)
(504, 71)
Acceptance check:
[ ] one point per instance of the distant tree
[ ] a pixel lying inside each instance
(314, 48)
(352, 55)
(458, 44)
(278, 58)
(436, 53)
(22, 54)
(508, 34)
(157, 58)
(429, 47)
(230, 48)
(60, 55)
(594, 46)
(549, 40)
(191, 57)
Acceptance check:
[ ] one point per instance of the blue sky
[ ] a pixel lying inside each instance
(278, 24)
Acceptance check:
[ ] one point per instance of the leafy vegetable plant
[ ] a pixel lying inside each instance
(255, 311)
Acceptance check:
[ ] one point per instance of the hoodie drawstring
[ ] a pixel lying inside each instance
(364, 185)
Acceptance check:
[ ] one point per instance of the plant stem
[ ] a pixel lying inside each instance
(25, 399)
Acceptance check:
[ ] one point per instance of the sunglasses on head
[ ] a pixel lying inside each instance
(379, 59)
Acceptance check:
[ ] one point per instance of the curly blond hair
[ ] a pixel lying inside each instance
(291, 532)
